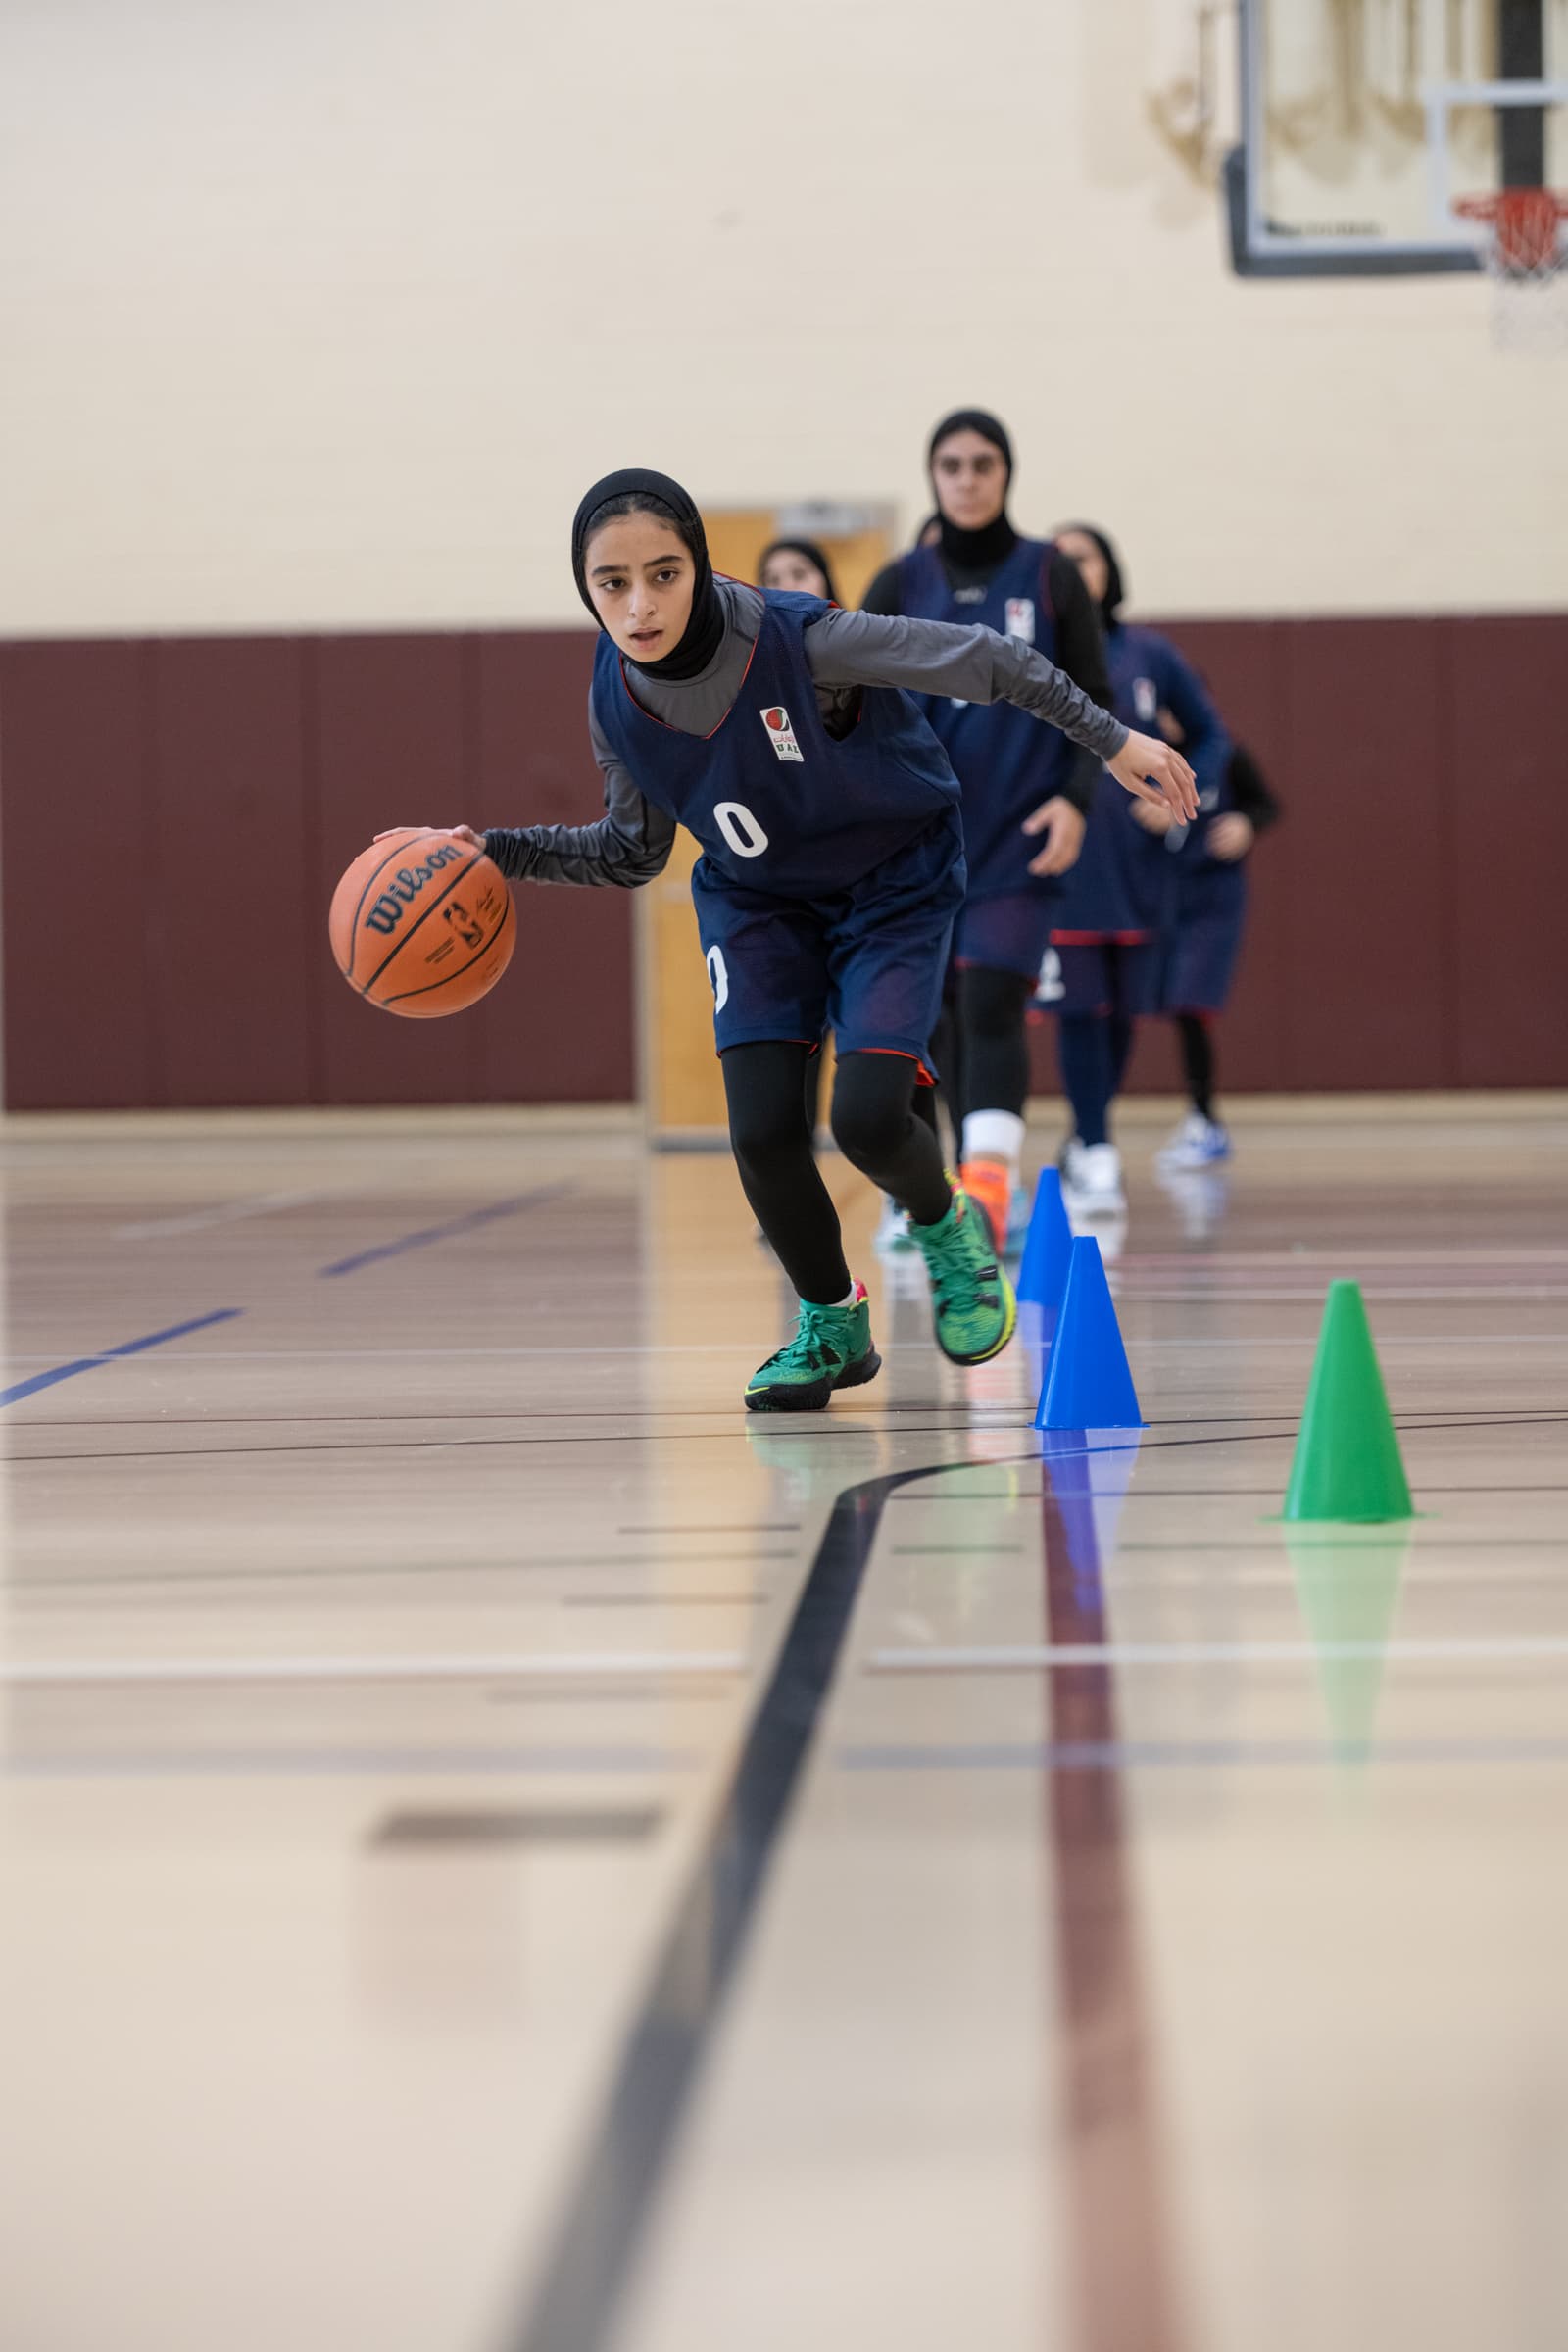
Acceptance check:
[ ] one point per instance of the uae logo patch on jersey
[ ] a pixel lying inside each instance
(1021, 618)
(781, 735)
(1145, 700)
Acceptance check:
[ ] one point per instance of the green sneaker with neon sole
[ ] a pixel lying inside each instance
(972, 1305)
(831, 1349)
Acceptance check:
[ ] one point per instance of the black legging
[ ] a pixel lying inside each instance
(873, 1125)
(982, 1043)
(1198, 1060)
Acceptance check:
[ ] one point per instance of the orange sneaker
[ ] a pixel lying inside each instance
(989, 1184)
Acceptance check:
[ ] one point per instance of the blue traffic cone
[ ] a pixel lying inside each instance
(1089, 1385)
(1042, 1271)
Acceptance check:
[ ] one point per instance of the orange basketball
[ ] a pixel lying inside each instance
(422, 924)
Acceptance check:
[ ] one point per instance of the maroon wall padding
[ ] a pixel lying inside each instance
(174, 815)
(82, 898)
(1508, 819)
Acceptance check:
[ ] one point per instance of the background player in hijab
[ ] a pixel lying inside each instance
(1206, 940)
(832, 867)
(1203, 906)
(797, 566)
(1112, 929)
(800, 568)
(1025, 790)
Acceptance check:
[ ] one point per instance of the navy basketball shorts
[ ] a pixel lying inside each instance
(1005, 934)
(1205, 941)
(1200, 963)
(866, 963)
(1119, 976)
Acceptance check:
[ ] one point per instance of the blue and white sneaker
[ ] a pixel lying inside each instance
(1198, 1143)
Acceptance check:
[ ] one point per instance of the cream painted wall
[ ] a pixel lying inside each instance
(322, 313)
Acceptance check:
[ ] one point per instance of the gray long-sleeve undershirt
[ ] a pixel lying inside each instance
(632, 842)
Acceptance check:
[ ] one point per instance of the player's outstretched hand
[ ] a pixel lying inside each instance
(1153, 815)
(476, 841)
(1154, 772)
(1230, 836)
(1063, 828)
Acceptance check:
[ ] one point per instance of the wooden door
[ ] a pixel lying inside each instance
(683, 1087)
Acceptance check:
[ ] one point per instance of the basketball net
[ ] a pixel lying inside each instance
(1527, 262)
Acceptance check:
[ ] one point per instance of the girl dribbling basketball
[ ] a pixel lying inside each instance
(778, 730)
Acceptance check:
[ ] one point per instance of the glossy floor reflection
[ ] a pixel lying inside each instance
(500, 1849)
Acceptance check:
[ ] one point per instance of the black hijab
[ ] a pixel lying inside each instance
(635, 490)
(982, 549)
(1115, 586)
(810, 551)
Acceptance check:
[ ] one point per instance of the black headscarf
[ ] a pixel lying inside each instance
(982, 549)
(810, 551)
(655, 494)
(1115, 586)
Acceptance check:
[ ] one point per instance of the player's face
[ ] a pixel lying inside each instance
(641, 578)
(1089, 562)
(790, 570)
(970, 478)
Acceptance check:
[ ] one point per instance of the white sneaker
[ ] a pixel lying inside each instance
(1198, 1143)
(891, 1235)
(1093, 1176)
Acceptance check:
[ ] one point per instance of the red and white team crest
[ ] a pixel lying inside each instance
(1021, 618)
(781, 735)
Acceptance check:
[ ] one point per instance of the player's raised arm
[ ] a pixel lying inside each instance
(979, 665)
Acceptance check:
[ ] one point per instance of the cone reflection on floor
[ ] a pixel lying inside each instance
(1349, 1589)
(1089, 1385)
(1346, 1463)
(1043, 1269)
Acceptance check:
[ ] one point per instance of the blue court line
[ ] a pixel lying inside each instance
(89, 1363)
(443, 1233)
(1142, 1755)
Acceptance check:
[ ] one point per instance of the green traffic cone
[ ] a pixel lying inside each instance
(1347, 1462)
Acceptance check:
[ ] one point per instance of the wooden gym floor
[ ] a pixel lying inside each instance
(498, 1849)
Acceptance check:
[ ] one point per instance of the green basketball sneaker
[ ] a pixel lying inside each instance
(831, 1349)
(972, 1305)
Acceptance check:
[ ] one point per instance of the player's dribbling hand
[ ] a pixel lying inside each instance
(1153, 771)
(476, 841)
(1153, 815)
(1063, 828)
(1231, 836)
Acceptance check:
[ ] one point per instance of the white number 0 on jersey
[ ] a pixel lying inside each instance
(740, 828)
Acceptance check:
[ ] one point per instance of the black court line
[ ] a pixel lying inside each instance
(607, 2209)
(612, 1437)
(441, 1233)
(960, 1422)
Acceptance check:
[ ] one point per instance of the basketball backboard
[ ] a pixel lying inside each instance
(1373, 132)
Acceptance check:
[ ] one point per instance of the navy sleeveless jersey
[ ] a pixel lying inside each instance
(776, 802)
(1007, 762)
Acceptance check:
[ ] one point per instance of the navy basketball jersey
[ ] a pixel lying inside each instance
(1007, 762)
(776, 802)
